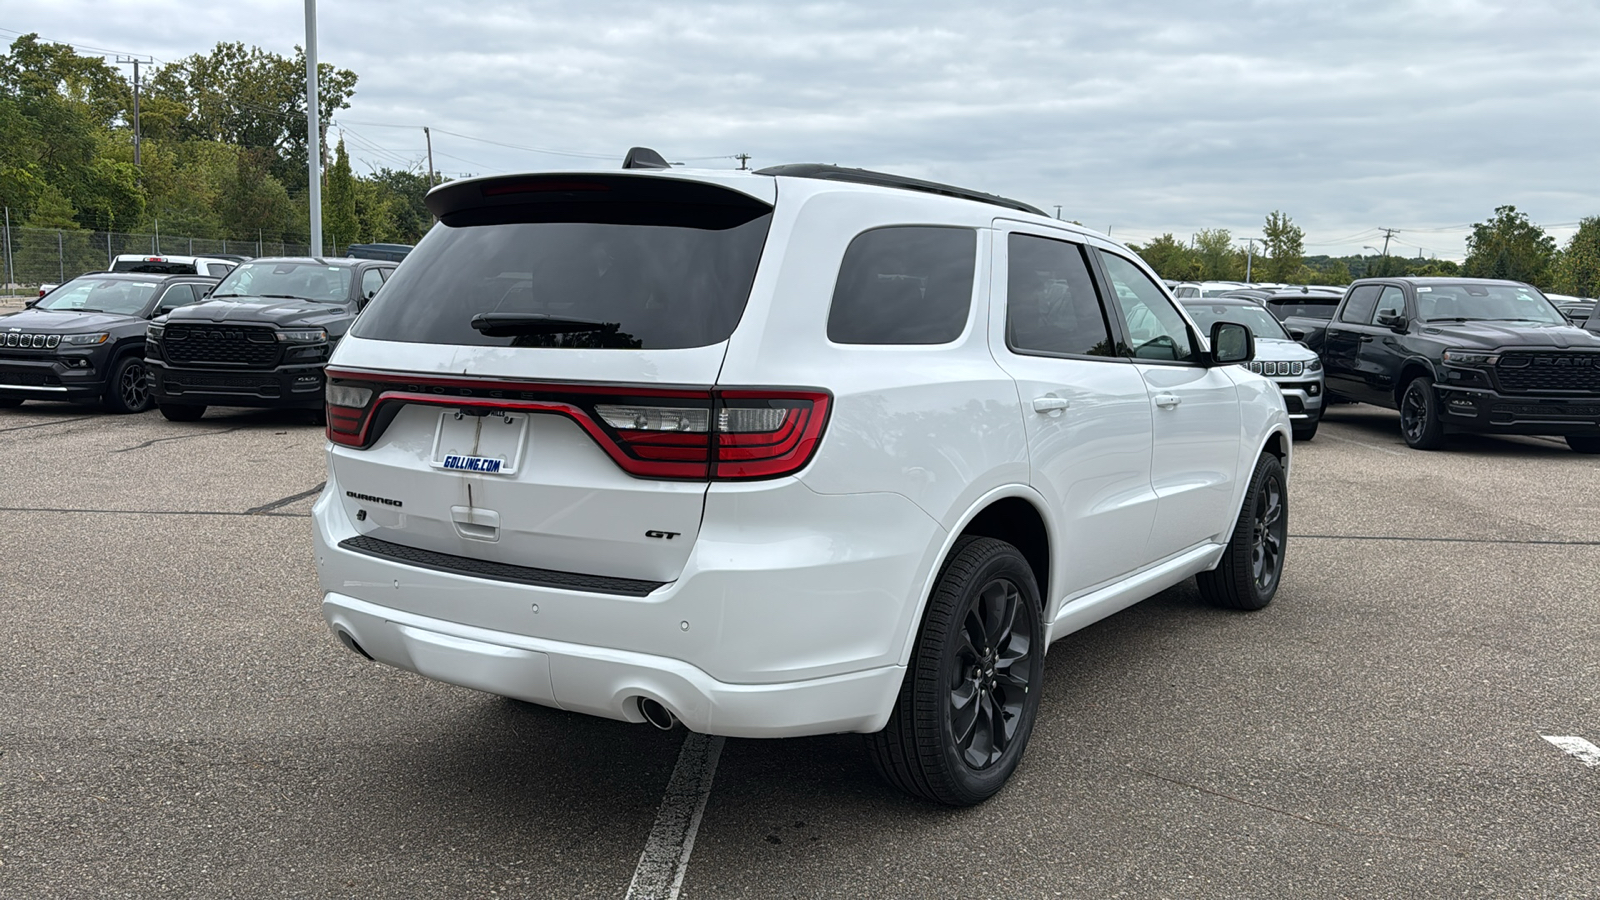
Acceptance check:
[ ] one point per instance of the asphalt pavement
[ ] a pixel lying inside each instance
(176, 721)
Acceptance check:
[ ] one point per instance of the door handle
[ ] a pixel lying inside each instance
(1168, 401)
(1365, 338)
(1049, 405)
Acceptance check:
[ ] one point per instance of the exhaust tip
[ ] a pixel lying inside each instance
(350, 642)
(656, 714)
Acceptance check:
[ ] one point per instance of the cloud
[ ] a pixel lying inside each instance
(1142, 115)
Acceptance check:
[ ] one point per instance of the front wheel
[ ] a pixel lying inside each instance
(1583, 443)
(129, 391)
(182, 412)
(1306, 432)
(1252, 565)
(1420, 422)
(967, 705)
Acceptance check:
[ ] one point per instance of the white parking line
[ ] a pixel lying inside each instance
(665, 859)
(1580, 749)
(1387, 450)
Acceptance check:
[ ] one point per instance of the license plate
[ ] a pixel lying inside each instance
(480, 445)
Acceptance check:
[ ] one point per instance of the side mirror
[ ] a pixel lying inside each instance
(31, 302)
(1231, 343)
(1395, 322)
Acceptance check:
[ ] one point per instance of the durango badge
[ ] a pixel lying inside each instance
(485, 464)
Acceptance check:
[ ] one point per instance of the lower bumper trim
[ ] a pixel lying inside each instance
(495, 571)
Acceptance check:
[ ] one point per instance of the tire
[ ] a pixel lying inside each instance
(986, 595)
(318, 417)
(1583, 443)
(128, 390)
(1306, 432)
(1420, 422)
(182, 412)
(1252, 566)
(10, 402)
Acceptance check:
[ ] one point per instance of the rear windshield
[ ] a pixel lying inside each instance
(154, 268)
(656, 276)
(1304, 309)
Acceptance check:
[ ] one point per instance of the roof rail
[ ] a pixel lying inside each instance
(883, 179)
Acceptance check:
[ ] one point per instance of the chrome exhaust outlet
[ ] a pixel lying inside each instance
(657, 715)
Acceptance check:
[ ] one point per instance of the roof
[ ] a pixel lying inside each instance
(343, 261)
(883, 179)
(141, 276)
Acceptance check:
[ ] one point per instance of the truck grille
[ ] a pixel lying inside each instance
(205, 381)
(1549, 372)
(215, 345)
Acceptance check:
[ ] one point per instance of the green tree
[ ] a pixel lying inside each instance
(406, 191)
(1510, 246)
(340, 224)
(1219, 261)
(1578, 271)
(252, 202)
(1170, 258)
(1285, 246)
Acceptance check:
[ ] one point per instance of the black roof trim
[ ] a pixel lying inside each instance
(883, 179)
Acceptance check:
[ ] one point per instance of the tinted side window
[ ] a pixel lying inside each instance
(176, 296)
(1391, 302)
(371, 280)
(1051, 304)
(904, 285)
(1156, 330)
(217, 270)
(1358, 308)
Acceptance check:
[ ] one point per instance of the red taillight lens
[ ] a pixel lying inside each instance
(765, 434)
(648, 432)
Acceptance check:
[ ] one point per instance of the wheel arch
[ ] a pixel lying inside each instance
(1014, 513)
(1409, 370)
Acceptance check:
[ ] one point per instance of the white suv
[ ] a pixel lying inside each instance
(790, 452)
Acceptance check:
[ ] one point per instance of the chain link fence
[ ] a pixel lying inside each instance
(35, 256)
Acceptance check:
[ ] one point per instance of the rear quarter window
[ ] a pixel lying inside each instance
(907, 284)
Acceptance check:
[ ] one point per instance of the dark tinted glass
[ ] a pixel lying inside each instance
(1303, 309)
(652, 276)
(153, 268)
(1362, 301)
(1051, 304)
(904, 285)
(176, 296)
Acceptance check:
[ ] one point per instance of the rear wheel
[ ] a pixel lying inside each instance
(182, 412)
(1420, 422)
(1252, 566)
(1584, 443)
(967, 705)
(128, 391)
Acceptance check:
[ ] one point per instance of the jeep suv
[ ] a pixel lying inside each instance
(1288, 362)
(789, 452)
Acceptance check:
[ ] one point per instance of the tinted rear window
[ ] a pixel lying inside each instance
(1304, 309)
(153, 268)
(904, 285)
(645, 275)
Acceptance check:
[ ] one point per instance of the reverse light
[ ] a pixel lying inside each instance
(654, 418)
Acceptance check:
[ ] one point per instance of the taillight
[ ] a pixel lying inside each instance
(649, 432)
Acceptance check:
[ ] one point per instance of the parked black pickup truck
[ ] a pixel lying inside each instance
(262, 338)
(1462, 354)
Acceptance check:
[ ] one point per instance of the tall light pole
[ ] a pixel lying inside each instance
(313, 129)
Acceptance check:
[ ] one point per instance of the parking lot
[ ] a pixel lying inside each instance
(175, 719)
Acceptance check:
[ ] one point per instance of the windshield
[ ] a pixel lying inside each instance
(1259, 321)
(127, 298)
(1485, 302)
(303, 280)
(646, 276)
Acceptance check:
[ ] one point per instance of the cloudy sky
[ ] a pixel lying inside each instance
(1138, 116)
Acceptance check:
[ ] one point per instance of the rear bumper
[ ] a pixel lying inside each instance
(610, 683)
(1489, 412)
(791, 617)
(286, 387)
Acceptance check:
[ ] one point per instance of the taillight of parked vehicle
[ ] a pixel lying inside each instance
(649, 432)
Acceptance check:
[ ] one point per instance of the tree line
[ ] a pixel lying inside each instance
(222, 154)
(1507, 245)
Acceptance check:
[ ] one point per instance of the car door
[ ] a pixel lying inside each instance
(1342, 345)
(1378, 351)
(1086, 411)
(1197, 424)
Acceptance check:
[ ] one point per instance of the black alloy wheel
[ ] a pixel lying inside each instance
(1251, 568)
(1419, 416)
(971, 694)
(129, 391)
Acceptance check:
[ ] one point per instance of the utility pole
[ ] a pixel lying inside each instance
(743, 159)
(426, 136)
(313, 129)
(1387, 234)
(122, 61)
(1249, 256)
(1058, 212)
